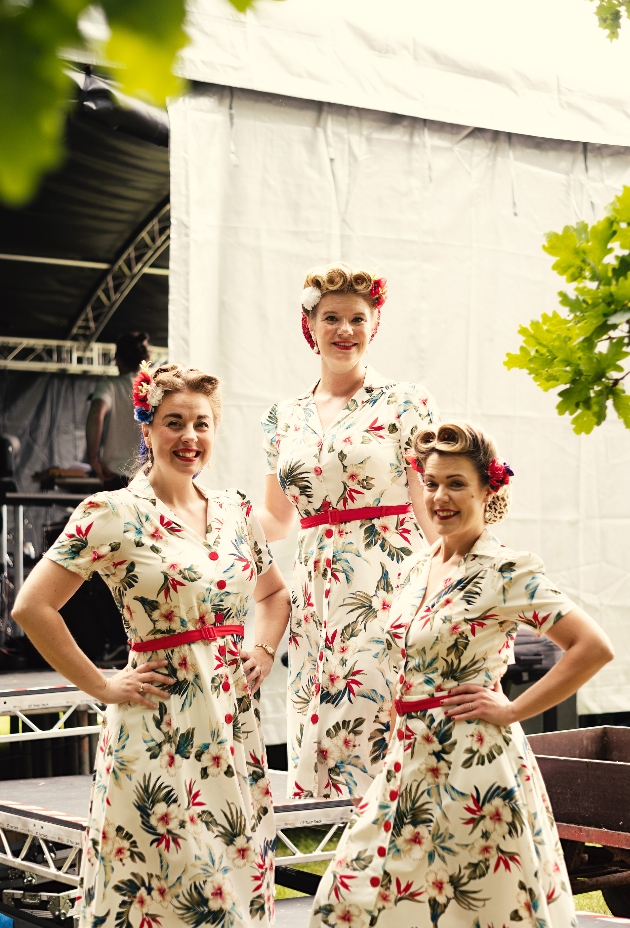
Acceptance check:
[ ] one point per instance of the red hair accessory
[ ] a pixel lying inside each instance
(413, 461)
(306, 332)
(499, 475)
(378, 291)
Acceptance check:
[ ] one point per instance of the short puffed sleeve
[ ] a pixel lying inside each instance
(271, 438)
(261, 555)
(416, 410)
(525, 594)
(90, 540)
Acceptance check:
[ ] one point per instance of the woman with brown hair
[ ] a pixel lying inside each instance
(181, 827)
(457, 828)
(336, 457)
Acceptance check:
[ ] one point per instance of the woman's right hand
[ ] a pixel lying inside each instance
(137, 684)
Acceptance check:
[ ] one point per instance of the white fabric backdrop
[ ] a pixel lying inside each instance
(541, 68)
(263, 187)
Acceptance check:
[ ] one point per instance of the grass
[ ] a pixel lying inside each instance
(307, 840)
(591, 902)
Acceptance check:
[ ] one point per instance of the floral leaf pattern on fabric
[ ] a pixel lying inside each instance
(458, 821)
(345, 575)
(168, 780)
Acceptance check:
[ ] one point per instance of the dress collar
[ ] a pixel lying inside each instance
(373, 381)
(141, 488)
(485, 546)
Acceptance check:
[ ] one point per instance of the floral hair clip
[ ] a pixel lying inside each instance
(413, 462)
(499, 475)
(147, 395)
(378, 291)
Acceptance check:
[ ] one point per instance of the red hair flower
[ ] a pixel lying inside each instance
(499, 475)
(378, 291)
(413, 461)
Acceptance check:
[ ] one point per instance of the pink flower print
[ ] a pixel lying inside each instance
(317, 471)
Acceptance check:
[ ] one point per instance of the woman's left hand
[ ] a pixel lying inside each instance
(479, 702)
(257, 665)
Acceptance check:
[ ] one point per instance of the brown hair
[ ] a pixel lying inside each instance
(459, 437)
(340, 278)
(175, 379)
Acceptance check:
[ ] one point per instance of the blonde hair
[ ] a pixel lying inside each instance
(459, 437)
(340, 278)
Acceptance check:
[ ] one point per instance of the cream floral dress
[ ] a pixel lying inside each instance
(456, 831)
(180, 829)
(344, 576)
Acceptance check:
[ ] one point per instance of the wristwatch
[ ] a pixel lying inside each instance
(267, 647)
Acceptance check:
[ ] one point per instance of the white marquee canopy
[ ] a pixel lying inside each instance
(437, 149)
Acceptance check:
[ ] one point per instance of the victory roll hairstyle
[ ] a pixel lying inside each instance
(150, 387)
(479, 447)
(340, 278)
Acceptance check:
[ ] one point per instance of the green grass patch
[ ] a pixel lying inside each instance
(591, 902)
(306, 840)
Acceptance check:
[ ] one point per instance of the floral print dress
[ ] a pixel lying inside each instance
(456, 831)
(180, 829)
(344, 576)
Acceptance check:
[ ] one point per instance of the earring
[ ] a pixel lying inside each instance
(315, 345)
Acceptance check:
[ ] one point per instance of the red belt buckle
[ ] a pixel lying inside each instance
(334, 516)
(208, 633)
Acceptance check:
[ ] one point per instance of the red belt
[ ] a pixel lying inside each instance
(336, 516)
(207, 633)
(404, 706)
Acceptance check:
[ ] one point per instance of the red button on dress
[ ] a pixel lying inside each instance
(329, 533)
(393, 795)
(397, 766)
(387, 826)
(401, 734)
(401, 678)
(214, 556)
(381, 851)
(229, 718)
(375, 881)
(219, 617)
(221, 584)
(315, 718)
(225, 686)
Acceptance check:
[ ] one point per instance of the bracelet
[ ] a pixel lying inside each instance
(267, 647)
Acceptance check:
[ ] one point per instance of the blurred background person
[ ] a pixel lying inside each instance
(111, 431)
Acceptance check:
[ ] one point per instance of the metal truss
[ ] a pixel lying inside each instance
(122, 276)
(303, 857)
(68, 357)
(47, 700)
(51, 851)
(334, 813)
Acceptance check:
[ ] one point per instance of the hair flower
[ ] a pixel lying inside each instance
(378, 291)
(499, 475)
(146, 395)
(413, 461)
(310, 298)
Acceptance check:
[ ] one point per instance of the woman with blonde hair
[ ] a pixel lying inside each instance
(180, 829)
(336, 457)
(457, 828)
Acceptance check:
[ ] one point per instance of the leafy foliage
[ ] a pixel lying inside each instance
(583, 350)
(609, 14)
(36, 93)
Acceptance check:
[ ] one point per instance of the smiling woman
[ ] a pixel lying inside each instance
(181, 751)
(458, 822)
(336, 458)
